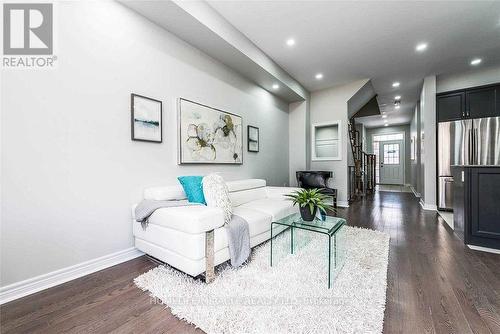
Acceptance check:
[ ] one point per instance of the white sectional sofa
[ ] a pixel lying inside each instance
(179, 236)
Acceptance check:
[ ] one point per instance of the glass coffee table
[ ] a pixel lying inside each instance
(302, 232)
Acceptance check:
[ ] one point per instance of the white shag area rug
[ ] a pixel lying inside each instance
(290, 297)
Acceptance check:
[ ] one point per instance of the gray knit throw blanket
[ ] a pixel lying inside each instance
(147, 207)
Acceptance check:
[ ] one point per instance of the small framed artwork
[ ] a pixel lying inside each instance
(253, 138)
(146, 119)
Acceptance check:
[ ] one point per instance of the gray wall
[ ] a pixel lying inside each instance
(298, 128)
(392, 129)
(331, 105)
(69, 169)
(416, 178)
(421, 142)
(428, 142)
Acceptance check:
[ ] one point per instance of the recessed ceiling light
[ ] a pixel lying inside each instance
(476, 61)
(397, 107)
(319, 76)
(395, 84)
(397, 97)
(276, 86)
(290, 42)
(384, 116)
(421, 47)
(386, 124)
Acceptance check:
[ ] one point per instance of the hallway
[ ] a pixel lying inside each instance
(435, 284)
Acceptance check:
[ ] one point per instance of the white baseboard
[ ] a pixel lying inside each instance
(417, 194)
(430, 207)
(484, 249)
(343, 204)
(448, 218)
(45, 281)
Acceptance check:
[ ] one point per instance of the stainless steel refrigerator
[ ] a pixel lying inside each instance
(465, 142)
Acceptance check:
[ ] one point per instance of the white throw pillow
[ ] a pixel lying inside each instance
(217, 194)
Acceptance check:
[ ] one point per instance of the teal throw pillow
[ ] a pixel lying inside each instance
(193, 188)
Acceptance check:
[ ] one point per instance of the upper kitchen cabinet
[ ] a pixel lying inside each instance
(477, 102)
(482, 102)
(450, 106)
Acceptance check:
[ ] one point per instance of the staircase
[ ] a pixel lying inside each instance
(362, 173)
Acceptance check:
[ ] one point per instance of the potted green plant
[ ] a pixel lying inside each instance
(309, 200)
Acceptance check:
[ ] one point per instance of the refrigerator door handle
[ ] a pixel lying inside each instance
(470, 155)
(475, 158)
(466, 142)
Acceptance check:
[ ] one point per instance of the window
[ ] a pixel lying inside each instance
(391, 154)
(377, 159)
(395, 136)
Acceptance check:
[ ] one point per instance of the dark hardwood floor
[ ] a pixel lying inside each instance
(435, 284)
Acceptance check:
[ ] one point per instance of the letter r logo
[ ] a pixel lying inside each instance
(28, 29)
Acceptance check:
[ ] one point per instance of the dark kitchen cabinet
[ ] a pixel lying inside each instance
(497, 95)
(459, 200)
(485, 211)
(476, 212)
(468, 103)
(451, 106)
(481, 103)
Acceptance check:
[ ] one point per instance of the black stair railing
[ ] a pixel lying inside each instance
(362, 173)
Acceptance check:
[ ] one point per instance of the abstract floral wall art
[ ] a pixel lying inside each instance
(208, 135)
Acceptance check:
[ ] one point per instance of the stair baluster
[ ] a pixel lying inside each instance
(362, 174)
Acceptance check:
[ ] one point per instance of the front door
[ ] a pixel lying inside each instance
(391, 162)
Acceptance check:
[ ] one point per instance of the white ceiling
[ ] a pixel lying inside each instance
(200, 25)
(348, 41)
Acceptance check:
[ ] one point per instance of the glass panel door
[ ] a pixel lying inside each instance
(377, 140)
(391, 168)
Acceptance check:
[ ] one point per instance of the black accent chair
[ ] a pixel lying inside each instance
(317, 179)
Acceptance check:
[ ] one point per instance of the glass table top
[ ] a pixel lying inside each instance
(329, 226)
